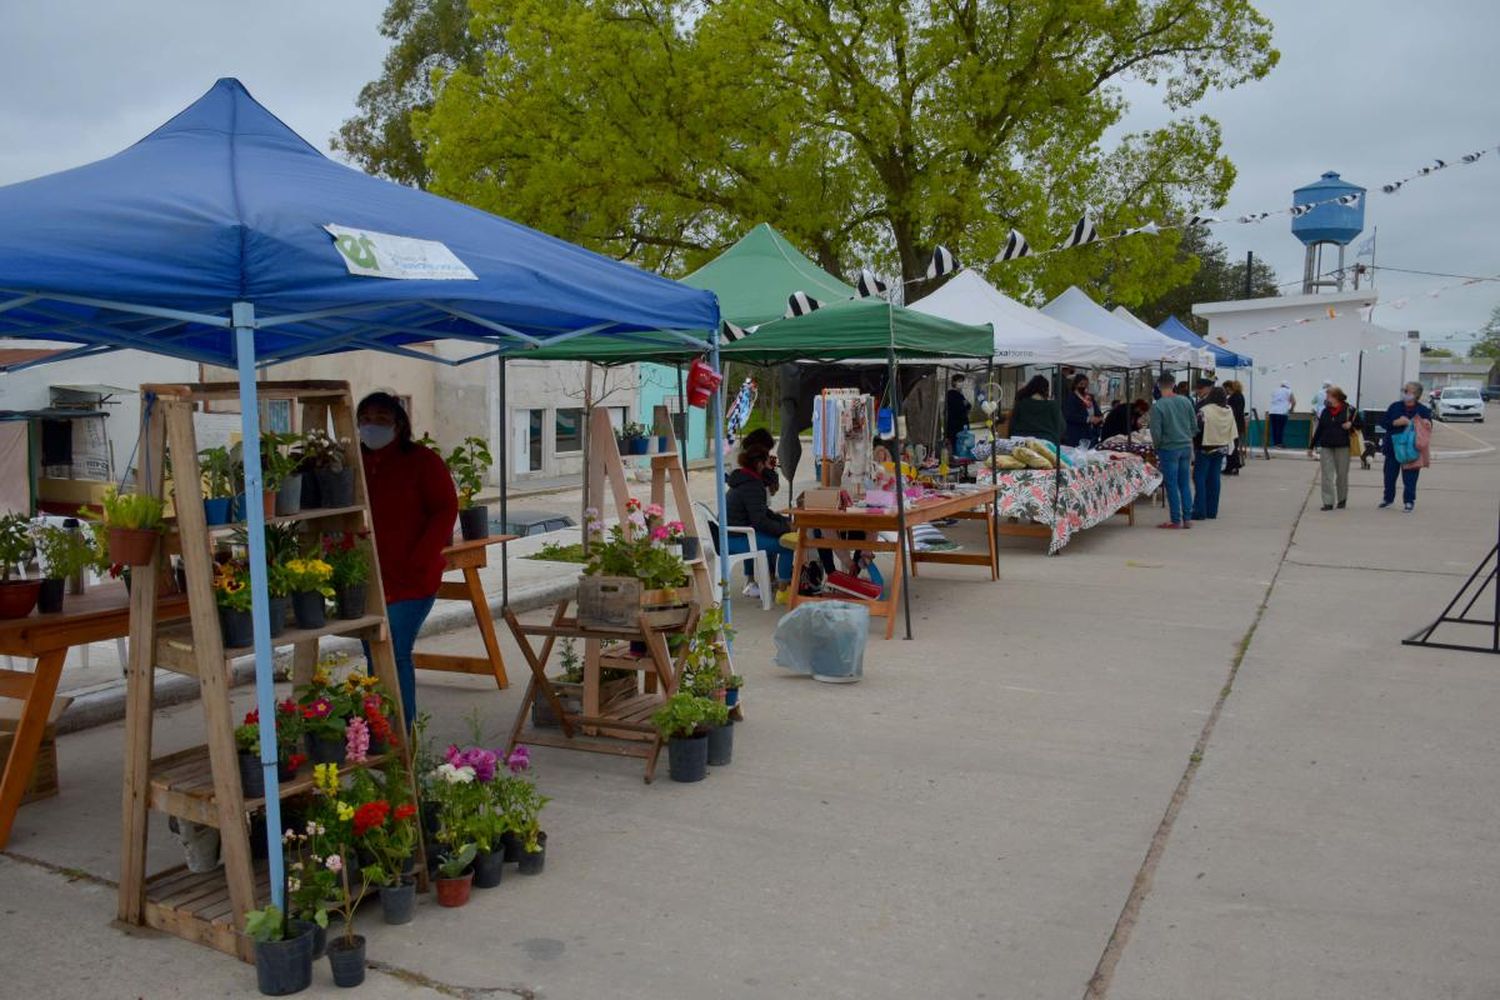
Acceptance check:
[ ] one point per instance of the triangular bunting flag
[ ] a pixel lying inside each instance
(800, 304)
(1471, 157)
(942, 263)
(1202, 220)
(1016, 247)
(1347, 199)
(1254, 217)
(868, 284)
(1300, 210)
(733, 333)
(1392, 188)
(1084, 231)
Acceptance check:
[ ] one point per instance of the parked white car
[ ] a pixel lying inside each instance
(1460, 402)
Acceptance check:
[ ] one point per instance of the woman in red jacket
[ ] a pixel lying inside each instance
(413, 504)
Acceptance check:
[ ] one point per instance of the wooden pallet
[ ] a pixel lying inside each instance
(202, 784)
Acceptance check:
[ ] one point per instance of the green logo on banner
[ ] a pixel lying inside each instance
(361, 252)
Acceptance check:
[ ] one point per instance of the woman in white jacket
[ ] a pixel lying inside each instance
(1217, 421)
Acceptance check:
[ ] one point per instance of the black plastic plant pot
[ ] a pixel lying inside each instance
(50, 597)
(690, 547)
(319, 935)
(326, 749)
(399, 902)
(350, 601)
(278, 608)
(512, 846)
(687, 757)
(308, 606)
(336, 489)
(284, 967)
(488, 866)
(237, 628)
(474, 523)
(252, 777)
(312, 497)
(532, 862)
(347, 960)
(721, 744)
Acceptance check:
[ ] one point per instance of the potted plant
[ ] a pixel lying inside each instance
(133, 522)
(283, 954)
(634, 436)
(455, 873)
(239, 510)
(217, 469)
(732, 690)
(629, 573)
(278, 465)
(346, 953)
(480, 820)
(62, 553)
(232, 596)
(351, 570)
(308, 581)
(388, 835)
(468, 464)
(683, 721)
(328, 461)
(676, 534)
(460, 799)
(247, 742)
(523, 816)
(326, 710)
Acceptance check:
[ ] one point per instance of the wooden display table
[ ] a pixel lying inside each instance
(98, 615)
(969, 505)
(469, 558)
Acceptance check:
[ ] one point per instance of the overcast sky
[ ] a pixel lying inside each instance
(1371, 89)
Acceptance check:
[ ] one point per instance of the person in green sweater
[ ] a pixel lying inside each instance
(1035, 414)
(1173, 423)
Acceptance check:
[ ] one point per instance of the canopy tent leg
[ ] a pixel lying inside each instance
(255, 524)
(716, 416)
(902, 569)
(504, 489)
(989, 380)
(682, 440)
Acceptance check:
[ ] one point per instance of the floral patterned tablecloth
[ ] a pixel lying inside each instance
(1090, 494)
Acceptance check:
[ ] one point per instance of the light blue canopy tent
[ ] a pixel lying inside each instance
(1223, 356)
(225, 238)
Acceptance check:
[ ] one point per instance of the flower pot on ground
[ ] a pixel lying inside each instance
(283, 952)
(721, 744)
(474, 522)
(319, 936)
(309, 608)
(347, 960)
(398, 902)
(455, 876)
(50, 595)
(237, 626)
(289, 496)
(687, 757)
(488, 866)
(683, 721)
(531, 862)
(510, 843)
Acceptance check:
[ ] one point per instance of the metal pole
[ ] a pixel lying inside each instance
(1359, 379)
(989, 380)
(504, 489)
(716, 417)
(682, 444)
(243, 316)
(901, 568)
(1249, 262)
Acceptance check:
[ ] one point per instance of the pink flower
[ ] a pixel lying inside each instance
(632, 504)
(654, 510)
(334, 863)
(676, 529)
(636, 519)
(659, 533)
(519, 760)
(357, 740)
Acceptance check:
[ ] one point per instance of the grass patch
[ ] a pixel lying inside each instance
(557, 552)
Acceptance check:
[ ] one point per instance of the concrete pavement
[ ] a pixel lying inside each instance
(1020, 802)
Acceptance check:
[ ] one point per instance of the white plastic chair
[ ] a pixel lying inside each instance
(760, 567)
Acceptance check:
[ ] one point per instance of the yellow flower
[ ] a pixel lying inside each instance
(321, 677)
(346, 811)
(326, 778)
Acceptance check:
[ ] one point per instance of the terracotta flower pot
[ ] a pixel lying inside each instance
(454, 891)
(132, 546)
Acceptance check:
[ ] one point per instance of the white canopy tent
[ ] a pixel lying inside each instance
(1202, 358)
(1146, 346)
(1023, 336)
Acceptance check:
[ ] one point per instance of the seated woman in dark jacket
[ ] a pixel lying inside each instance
(1035, 415)
(746, 507)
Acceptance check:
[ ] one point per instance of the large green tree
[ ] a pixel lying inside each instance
(867, 130)
(1217, 279)
(1487, 346)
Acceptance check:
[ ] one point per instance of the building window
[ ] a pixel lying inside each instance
(619, 416)
(568, 429)
(276, 415)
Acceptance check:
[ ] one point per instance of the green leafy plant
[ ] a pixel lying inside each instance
(708, 650)
(558, 552)
(218, 471)
(632, 431)
(351, 564)
(523, 805)
(681, 715)
(277, 461)
(265, 924)
(457, 861)
(133, 511)
(63, 552)
(15, 543)
(468, 464)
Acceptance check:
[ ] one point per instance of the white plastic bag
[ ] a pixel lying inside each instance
(825, 639)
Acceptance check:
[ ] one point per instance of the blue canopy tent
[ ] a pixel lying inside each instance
(225, 238)
(1223, 357)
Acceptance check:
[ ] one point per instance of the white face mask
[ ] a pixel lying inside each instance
(376, 436)
(1410, 397)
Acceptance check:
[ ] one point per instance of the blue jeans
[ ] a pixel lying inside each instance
(1408, 481)
(1176, 466)
(1206, 481)
(779, 557)
(406, 618)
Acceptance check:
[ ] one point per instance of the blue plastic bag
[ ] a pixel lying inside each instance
(825, 639)
(963, 444)
(1404, 443)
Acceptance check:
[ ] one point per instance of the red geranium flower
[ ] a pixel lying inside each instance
(252, 717)
(405, 811)
(295, 761)
(370, 816)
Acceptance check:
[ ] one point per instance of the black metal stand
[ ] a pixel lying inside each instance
(1485, 577)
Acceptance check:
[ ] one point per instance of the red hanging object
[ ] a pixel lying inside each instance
(702, 382)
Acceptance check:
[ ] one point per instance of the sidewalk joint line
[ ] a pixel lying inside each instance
(1099, 984)
(414, 978)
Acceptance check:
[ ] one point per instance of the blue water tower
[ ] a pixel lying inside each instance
(1328, 212)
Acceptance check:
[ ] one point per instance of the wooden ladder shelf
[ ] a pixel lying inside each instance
(202, 784)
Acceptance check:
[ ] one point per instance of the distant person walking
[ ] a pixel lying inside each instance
(1236, 395)
(1173, 423)
(1216, 423)
(1283, 402)
(1336, 425)
(1398, 416)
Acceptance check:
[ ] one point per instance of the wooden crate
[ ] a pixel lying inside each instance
(43, 783)
(619, 602)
